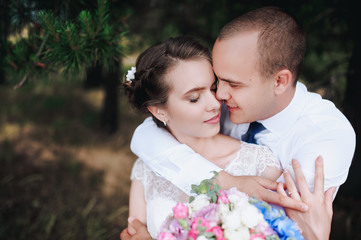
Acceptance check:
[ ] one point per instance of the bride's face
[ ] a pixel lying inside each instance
(192, 109)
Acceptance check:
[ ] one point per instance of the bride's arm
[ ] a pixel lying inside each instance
(137, 205)
(272, 173)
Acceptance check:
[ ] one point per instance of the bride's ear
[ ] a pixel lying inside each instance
(157, 112)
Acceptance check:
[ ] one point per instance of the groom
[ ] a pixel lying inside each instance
(257, 59)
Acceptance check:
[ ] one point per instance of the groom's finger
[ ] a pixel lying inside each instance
(291, 186)
(319, 176)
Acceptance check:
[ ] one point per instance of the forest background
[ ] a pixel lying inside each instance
(65, 125)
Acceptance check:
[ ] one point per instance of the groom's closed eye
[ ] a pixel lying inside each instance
(233, 84)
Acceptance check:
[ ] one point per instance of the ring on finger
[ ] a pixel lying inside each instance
(293, 192)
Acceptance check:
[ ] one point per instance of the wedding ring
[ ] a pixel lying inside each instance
(290, 193)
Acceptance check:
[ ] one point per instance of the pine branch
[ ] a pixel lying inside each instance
(26, 76)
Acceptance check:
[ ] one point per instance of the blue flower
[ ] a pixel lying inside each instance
(277, 219)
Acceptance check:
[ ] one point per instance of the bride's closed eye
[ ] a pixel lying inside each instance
(194, 100)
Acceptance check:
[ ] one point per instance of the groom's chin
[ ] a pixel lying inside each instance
(236, 119)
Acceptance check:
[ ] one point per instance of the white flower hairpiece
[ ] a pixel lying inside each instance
(130, 76)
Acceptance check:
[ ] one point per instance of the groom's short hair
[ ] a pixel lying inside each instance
(281, 40)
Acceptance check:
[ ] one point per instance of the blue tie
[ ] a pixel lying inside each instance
(254, 128)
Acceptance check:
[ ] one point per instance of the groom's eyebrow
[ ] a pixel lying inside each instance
(229, 81)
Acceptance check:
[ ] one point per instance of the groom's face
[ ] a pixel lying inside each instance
(248, 96)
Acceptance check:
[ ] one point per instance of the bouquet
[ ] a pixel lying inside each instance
(220, 215)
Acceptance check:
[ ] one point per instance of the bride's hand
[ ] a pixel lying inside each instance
(260, 188)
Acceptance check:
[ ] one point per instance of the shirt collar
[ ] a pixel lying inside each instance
(284, 120)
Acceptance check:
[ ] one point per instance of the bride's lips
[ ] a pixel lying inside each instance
(213, 120)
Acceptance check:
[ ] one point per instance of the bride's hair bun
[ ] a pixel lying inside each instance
(149, 87)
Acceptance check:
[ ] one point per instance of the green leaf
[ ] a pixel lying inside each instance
(184, 224)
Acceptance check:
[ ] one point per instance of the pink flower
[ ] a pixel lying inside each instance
(193, 233)
(180, 211)
(210, 213)
(197, 225)
(166, 236)
(218, 232)
(222, 197)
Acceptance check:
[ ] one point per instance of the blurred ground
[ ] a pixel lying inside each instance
(62, 178)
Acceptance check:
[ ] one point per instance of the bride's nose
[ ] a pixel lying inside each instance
(212, 103)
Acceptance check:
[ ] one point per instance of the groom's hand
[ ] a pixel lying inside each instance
(260, 188)
(140, 234)
(316, 223)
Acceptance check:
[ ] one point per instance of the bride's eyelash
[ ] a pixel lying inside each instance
(194, 100)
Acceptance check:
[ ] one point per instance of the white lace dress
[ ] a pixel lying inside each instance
(161, 195)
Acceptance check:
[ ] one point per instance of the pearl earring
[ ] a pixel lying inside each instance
(165, 123)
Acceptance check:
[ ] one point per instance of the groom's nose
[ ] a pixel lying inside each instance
(222, 91)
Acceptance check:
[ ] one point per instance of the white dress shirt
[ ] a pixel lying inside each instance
(308, 127)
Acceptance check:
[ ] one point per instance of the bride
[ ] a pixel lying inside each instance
(174, 81)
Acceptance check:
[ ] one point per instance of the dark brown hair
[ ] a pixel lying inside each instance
(149, 87)
(281, 41)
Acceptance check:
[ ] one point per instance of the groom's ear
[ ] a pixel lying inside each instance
(157, 112)
(283, 80)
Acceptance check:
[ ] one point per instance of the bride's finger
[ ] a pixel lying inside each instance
(291, 187)
(280, 189)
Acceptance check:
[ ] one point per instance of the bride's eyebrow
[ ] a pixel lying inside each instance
(194, 90)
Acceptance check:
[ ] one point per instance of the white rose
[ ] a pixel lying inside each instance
(231, 220)
(250, 216)
(223, 209)
(237, 234)
(199, 202)
(237, 201)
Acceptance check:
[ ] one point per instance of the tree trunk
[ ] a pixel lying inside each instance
(94, 77)
(109, 113)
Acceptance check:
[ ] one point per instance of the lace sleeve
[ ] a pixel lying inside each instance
(266, 159)
(138, 171)
(252, 160)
